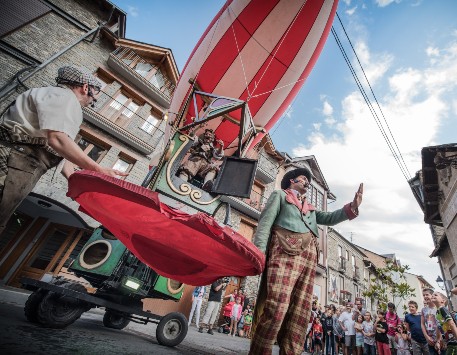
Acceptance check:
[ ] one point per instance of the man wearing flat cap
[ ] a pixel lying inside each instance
(287, 233)
(38, 130)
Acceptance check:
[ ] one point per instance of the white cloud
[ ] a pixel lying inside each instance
(317, 126)
(330, 121)
(384, 3)
(327, 110)
(354, 151)
(432, 52)
(347, 2)
(351, 12)
(375, 66)
(133, 11)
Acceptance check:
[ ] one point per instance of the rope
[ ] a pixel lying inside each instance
(239, 54)
(279, 46)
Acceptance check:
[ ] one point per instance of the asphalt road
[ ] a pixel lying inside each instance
(88, 335)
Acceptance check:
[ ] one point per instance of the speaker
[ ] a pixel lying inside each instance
(235, 177)
(173, 289)
(100, 254)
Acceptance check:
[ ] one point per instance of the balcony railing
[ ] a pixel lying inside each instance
(126, 125)
(256, 200)
(342, 264)
(356, 273)
(266, 169)
(145, 71)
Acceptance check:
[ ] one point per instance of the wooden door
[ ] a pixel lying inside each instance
(13, 249)
(247, 229)
(45, 254)
(233, 285)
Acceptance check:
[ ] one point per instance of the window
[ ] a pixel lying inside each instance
(356, 290)
(95, 151)
(347, 255)
(340, 251)
(120, 110)
(116, 105)
(309, 194)
(123, 164)
(353, 262)
(341, 283)
(143, 68)
(320, 201)
(149, 124)
(157, 80)
(130, 109)
(255, 200)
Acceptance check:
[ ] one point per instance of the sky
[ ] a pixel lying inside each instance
(408, 50)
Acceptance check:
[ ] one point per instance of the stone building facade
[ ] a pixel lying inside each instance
(435, 189)
(347, 274)
(121, 131)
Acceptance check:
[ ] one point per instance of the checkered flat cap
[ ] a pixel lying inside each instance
(72, 75)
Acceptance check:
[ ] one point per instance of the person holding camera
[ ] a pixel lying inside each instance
(214, 301)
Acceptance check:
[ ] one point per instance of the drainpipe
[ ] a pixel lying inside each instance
(10, 87)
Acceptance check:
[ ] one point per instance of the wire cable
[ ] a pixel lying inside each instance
(374, 96)
(396, 155)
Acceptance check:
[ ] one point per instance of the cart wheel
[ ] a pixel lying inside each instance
(115, 320)
(172, 329)
(57, 311)
(31, 306)
(220, 329)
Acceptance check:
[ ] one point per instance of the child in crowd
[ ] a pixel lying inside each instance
(402, 340)
(235, 316)
(317, 336)
(232, 295)
(429, 323)
(369, 342)
(382, 341)
(328, 329)
(413, 325)
(247, 324)
(444, 318)
(241, 323)
(338, 331)
(359, 335)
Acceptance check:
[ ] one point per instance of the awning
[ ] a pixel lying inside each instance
(193, 249)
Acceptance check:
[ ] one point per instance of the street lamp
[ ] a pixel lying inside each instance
(440, 282)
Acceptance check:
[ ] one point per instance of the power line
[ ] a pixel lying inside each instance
(393, 147)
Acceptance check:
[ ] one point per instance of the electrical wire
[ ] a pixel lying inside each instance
(374, 96)
(396, 153)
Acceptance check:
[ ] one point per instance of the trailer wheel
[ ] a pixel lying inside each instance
(115, 320)
(172, 329)
(57, 311)
(32, 303)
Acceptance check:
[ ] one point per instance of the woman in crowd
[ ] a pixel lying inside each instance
(359, 335)
(369, 342)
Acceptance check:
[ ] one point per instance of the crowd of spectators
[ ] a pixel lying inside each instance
(352, 330)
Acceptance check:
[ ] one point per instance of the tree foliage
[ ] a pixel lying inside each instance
(390, 285)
